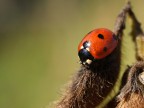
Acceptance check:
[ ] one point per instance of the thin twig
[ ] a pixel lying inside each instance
(120, 21)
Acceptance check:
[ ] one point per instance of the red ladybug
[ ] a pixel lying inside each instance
(97, 44)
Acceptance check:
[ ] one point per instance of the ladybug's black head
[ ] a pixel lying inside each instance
(84, 54)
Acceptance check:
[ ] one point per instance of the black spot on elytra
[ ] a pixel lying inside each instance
(105, 49)
(100, 36)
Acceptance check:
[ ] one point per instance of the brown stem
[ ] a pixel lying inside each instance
(132, 94)
(118, 30)
(92, 84)
(120, 21)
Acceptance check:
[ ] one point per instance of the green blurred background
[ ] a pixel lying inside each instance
(38, 45)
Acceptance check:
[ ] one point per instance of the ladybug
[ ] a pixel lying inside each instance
(96, 45)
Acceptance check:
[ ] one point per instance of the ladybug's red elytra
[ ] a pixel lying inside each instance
(97, 44)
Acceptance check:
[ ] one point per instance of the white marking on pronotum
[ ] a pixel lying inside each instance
(141, 77)
(88, 44)
(84, 63)
(88, 61)
(87, 49)
(81, 47)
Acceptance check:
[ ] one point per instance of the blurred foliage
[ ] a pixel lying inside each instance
(38, 45)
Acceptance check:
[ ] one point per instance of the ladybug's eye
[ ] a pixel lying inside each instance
(100, 36)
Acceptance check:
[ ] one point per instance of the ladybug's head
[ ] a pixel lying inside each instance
(84, 54)
(96, 45)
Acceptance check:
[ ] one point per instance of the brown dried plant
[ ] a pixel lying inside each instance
(91, 85)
